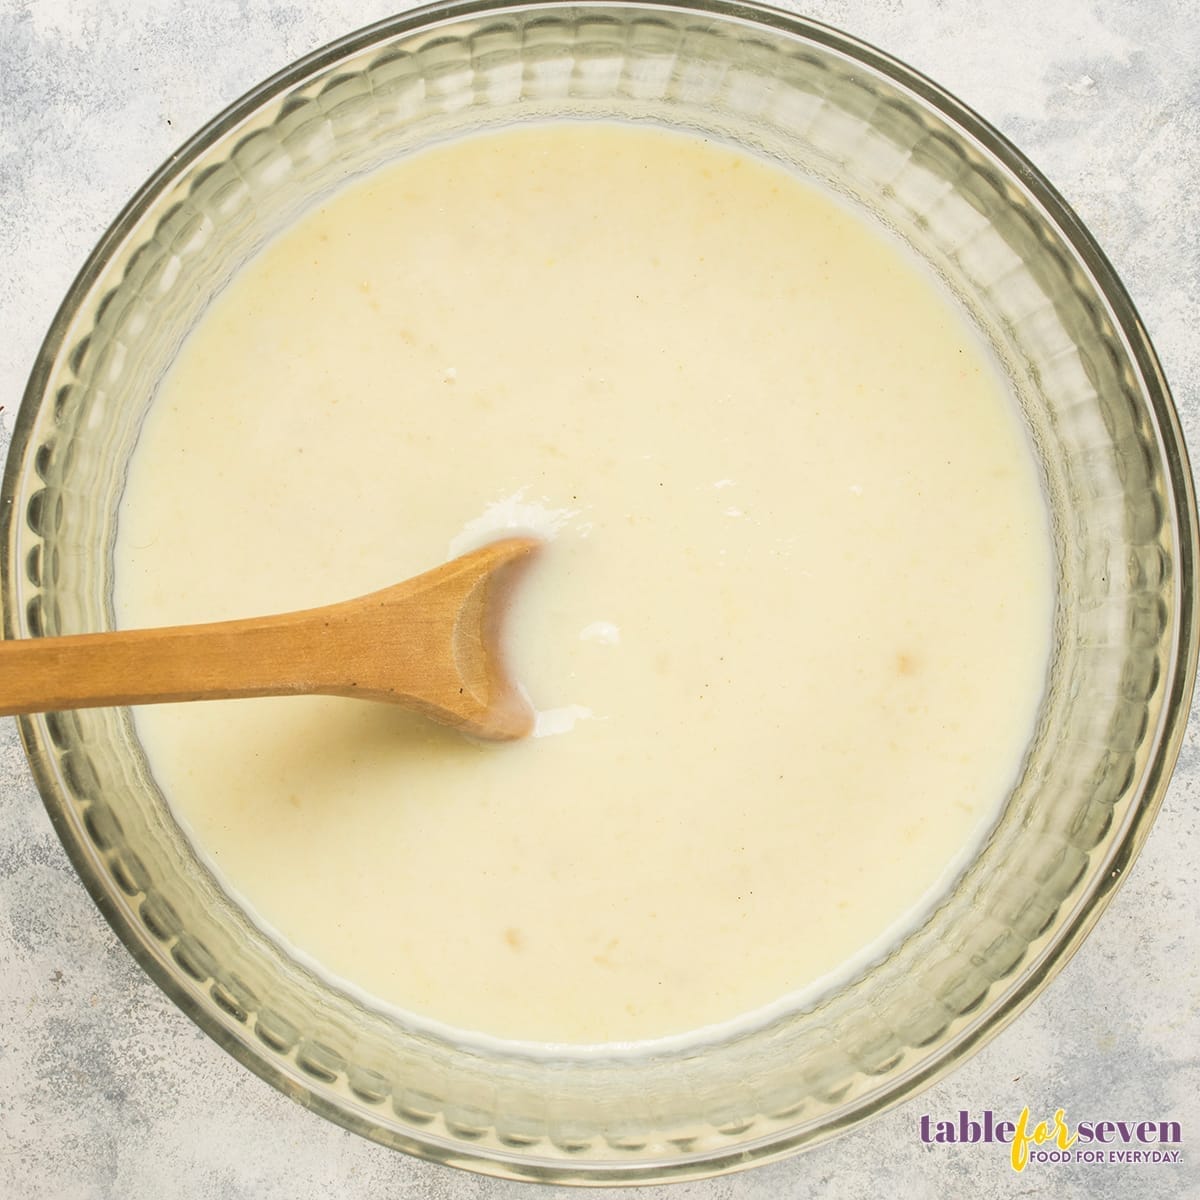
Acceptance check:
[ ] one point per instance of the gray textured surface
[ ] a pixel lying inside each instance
(106, 1090)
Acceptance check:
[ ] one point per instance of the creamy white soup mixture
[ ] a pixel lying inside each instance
(787, 636)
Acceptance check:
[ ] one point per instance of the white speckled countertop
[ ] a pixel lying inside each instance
(107, 1090)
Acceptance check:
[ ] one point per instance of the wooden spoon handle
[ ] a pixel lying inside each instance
(429, 644)
(147, 666)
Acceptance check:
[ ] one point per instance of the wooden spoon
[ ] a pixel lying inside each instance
(430, 644)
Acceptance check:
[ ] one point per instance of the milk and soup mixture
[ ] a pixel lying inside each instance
(787, 635)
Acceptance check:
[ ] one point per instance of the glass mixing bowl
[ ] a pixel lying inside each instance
(1116, 483)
